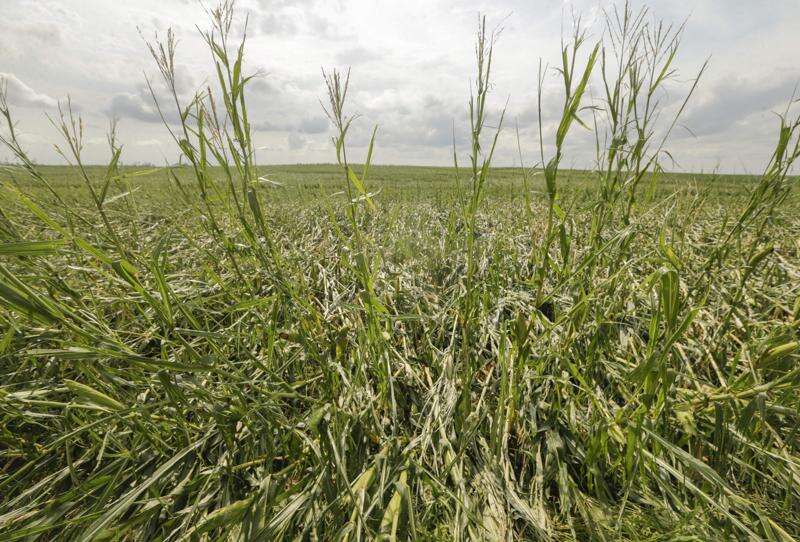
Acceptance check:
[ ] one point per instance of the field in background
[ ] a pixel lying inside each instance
(299, 181)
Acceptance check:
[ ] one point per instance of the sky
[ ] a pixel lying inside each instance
(411, 66)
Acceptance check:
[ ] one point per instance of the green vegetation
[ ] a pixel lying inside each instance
(225, 351)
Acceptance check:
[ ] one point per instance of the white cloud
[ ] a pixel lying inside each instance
(22, 95)
(149, 143)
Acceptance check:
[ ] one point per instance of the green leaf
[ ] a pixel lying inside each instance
(360, 187)
(30, 248)
(93, 396)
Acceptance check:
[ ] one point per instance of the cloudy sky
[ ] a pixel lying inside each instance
(411, 65)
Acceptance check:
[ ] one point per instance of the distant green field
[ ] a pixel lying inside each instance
(321, 184)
